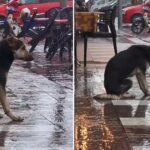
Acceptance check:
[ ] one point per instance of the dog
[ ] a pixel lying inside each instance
(133, 61)
(11, 48)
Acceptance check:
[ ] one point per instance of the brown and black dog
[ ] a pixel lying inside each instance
(10, 48)
(133, 61)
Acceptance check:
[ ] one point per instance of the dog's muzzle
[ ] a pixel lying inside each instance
(23, 54)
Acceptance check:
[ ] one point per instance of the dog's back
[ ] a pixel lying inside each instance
(124, 63)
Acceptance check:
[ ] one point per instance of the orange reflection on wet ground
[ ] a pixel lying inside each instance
(97, 126)
(86, 129)
(81, 132)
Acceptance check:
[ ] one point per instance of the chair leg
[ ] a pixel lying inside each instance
(85, 48)
(46, 44)
(62, 48)
(113, 31)
(52, 53)
(69, 49)
(33, 46)
(115, 44)
(75, 50)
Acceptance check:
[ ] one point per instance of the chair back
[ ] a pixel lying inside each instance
(88, 21)
(85, 21)
(109, 16)
(49, 14)
(67, 13)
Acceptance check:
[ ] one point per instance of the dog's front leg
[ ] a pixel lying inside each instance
(1, 116)
(106, 97)
(142, 82)
(5, 105)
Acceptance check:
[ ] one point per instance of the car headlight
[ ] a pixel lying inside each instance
(123, 12)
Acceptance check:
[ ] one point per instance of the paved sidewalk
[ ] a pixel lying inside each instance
(144, 36)
(109, 125)
(41, 92)
(100, 50)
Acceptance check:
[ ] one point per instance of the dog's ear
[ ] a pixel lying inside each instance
(14, 42)
(11, 40)
(12, 35)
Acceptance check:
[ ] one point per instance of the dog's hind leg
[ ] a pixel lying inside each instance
(5, 105)
(142, 81)
(106, 97)
(119, 87)
(1, 116)
(125, 85)
(122, 88)
(116, 90)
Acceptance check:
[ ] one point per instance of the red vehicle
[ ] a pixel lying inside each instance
(70, 3)
(41, 5)
(132, 12)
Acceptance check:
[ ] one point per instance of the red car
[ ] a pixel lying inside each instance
(41, 5)
(130, 13)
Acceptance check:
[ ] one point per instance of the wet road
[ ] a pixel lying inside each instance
(97, 126)
(144, 36)
(41, 92)
(109, 125)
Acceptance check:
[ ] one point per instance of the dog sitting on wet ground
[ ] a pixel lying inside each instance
(133, 61)
(10, 48)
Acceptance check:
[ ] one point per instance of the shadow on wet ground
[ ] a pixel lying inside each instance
(41, 92)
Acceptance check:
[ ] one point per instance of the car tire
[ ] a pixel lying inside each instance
(138, 25)
(2, 17)
(2, 30)
(135, 16)
(137, 29)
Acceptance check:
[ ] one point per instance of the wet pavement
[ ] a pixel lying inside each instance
(111, 124)
(42, 93)
(100, 50)
(144, 36)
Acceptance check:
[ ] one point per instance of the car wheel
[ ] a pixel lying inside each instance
(135, 16)
(2, 18)
(2, 28)
(137, 27)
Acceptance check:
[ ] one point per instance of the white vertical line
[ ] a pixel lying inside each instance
(73, 61)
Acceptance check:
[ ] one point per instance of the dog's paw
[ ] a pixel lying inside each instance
(18, 119)
(1, 116)
(106, 97)
(100, 97)
(147, 97)
(128, 96)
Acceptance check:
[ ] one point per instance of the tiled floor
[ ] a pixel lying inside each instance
(95, 50)
(109, 125)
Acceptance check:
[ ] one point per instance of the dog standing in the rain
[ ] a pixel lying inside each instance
(133, 61)
(10, 48)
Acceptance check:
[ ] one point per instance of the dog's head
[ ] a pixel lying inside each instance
(19, 49)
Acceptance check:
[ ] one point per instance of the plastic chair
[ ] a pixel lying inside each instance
(43, 34)
(106, 20)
